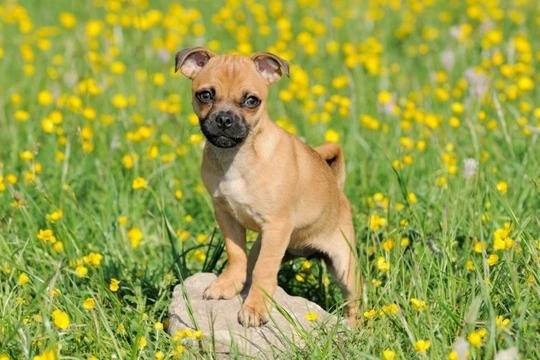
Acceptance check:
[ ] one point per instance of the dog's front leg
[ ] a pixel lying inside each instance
(232, 279)
(273, 244)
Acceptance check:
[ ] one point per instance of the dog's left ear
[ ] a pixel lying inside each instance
(271, 66)
(191, 60)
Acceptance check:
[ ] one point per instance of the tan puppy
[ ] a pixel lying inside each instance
(264, 179)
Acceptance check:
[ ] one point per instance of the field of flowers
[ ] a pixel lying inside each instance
(102, 210)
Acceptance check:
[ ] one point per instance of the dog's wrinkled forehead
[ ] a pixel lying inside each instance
(230, 75)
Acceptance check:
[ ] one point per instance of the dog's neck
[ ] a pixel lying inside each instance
(262, 140)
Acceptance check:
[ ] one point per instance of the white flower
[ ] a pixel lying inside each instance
(470, 167)
(479, 83)
(448, 59)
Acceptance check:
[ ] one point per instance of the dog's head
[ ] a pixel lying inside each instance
(229, 91)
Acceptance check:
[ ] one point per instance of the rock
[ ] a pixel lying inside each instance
(508, 354)
(219, 319)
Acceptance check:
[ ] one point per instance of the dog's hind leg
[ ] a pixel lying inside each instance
(339, 254)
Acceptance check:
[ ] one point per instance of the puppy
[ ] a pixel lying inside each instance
(264, 179)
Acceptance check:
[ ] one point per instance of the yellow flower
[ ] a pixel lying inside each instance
(118, 67)
(476, 337)
(311, 316)
(26, 155)
(183, 234)
(158, 79)
(45, 98)
(46, 355)
(122, 220)
(89, 304)
(93, 258)
(93, 28)
(457, 108)
(501, 238)
(178, 194)
(21, 115)
(46, 235)
(388, 355)
(479, 247)
(195, 139)
(67, 20)
(179, 349)
(501, 322)
(201, 238)
(119, 101)
(128, 161)
(405, 241)
(453, 355)
(441, 182)
(23, 279)
(370, 314)
(60, 319)
(411, 198)
(158, 326)
(58, 246)
(199, 255)
(390, 309)
(340, 81)
(55, 216)
(135, 235)
(114, 285)
(331, 136)
(193, 119)
(139, 183)
(493, 259)
(382, 264)
(81, 271)
(502, 187)
(11, 179)
(422, 346)
(141, 342)
(418, 305)
(376, 222)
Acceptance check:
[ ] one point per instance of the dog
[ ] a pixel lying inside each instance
(266, 180)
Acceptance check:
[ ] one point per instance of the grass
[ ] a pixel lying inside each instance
(413, 91)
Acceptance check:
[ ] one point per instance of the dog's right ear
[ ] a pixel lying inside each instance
(191, 60)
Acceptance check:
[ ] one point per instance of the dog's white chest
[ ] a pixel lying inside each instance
(235, 192)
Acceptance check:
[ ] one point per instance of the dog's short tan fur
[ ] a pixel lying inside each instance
(271, 183)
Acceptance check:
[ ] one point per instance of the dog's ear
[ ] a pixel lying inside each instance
(271, 66)
(191, 60)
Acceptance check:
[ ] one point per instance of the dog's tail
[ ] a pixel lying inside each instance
(333, 156)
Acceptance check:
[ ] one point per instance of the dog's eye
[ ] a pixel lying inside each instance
(205, 96)
(251, 102)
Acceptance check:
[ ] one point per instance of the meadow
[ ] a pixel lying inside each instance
(102, 210)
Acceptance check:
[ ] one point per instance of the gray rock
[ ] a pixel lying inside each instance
(218, 320)
(508, 354)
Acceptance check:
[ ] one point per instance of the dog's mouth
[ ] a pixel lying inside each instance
(223, 141)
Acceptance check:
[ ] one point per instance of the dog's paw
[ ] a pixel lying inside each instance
(253, 316)
(222, 289)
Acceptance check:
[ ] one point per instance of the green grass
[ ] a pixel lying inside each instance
(436, 121)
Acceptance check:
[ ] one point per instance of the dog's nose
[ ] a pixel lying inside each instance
(224, 120)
